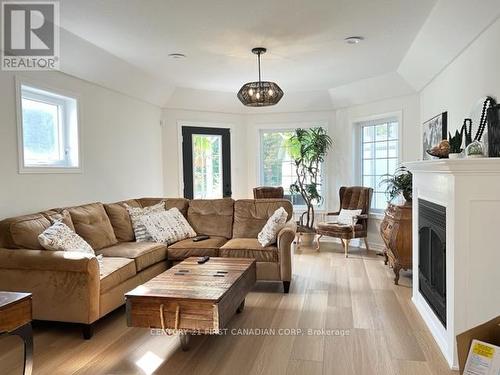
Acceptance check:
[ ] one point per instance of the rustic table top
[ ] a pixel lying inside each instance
(9, 298)
(189, 280)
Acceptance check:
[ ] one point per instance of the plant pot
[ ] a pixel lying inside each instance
(454, 156)
(306, 239)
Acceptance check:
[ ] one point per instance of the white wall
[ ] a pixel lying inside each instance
(121, 147)
(472, 75)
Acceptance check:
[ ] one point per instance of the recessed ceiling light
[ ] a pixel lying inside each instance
(354, 39)
(177, 55)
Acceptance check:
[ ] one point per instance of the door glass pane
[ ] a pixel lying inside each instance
(41, 133)
(207, 166)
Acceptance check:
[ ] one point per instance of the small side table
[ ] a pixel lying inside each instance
(15, 319)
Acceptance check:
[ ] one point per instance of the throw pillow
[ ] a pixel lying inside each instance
(168, 226)
(59, 237)
(136, 214)
(346, 217)
(268, 234)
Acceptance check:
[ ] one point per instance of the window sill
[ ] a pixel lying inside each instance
(49, 170)
(376, 215)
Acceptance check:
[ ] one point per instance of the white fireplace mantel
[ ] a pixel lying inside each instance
(470, 191)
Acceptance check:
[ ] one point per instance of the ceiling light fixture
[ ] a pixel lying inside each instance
(261, 93)
(176, 55)
(354, 39)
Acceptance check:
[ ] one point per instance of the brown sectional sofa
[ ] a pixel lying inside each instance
(71, 287)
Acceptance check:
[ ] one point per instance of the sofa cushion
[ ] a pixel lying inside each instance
(180, 203)
(250, 215)
(120, 219)
(114, 271)
(188, 248)
(249, 248)
(22, 232)
(145, 254)
(92, 223)
(211, 217)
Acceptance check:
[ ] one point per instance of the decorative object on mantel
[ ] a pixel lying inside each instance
(396, 228)
(434, 131)
(493, 119)
(480, 121)
(440, 151)
(260, 93)
(467, 131)
(308, 149)
(455, 144)
(474, 150)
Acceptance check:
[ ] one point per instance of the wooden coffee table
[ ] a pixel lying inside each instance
(192, 297)
(15, 319)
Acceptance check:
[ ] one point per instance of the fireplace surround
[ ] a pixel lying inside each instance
(463, 197)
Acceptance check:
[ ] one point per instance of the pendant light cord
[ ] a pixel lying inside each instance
(258, 56)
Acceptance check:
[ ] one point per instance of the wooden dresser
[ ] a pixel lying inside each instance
(396, 231)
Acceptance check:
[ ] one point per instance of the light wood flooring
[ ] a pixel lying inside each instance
(385, 333)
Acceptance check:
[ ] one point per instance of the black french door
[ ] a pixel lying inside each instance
(206, 158)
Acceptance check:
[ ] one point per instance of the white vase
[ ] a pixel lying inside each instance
(454, 156)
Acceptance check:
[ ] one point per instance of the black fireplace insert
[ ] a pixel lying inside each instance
(432, 256)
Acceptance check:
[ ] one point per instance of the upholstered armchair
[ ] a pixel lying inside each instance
(268, 192)
(351, 198)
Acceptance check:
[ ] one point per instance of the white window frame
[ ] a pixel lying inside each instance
(276, 128)
(359, 123)
(60, 98)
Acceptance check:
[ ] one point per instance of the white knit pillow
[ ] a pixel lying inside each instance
(60, 237)
(136, 214)
(168, 226)
(268, 235)
(346, 217)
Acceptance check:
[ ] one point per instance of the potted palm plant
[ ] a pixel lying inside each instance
(308, 149)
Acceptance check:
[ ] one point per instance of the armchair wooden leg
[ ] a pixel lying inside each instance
(366, 244)
(317, 242)
(346, 247)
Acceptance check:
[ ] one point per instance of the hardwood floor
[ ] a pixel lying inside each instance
(378, 331)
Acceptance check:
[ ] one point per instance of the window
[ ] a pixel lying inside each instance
(276, 165)
(379, 156)
(48, 131)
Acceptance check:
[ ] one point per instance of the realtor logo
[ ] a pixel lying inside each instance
(30, 35)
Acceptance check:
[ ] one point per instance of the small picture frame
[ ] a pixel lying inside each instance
(433, 132)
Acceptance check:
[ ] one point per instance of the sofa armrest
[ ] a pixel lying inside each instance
(285, 239)
(46, 260)
(65, 285)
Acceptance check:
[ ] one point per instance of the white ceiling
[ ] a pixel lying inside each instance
(305, 43)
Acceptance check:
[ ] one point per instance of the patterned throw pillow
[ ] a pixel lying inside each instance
(136, 214)
(346, 217)
(168, 226)
(268, 234)
(59, 237)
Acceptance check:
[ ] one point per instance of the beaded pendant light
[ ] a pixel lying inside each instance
(261, 93)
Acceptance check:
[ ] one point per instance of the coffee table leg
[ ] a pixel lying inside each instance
(240, 308)
(184, 337)
(26, 333)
